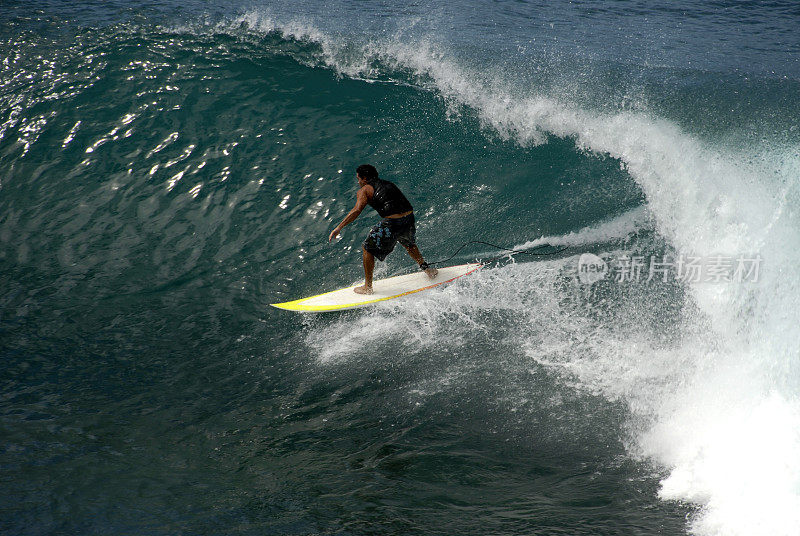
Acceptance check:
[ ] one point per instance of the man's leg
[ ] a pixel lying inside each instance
(414, 253)
(369, 266)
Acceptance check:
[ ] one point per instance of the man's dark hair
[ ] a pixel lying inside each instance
(367, 172)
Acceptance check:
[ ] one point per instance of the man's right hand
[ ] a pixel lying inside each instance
(333, 234)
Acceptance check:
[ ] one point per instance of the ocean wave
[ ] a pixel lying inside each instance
(725, 419)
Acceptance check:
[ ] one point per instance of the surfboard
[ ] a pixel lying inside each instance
(383, 289)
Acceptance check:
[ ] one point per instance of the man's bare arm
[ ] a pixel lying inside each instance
(361, 201)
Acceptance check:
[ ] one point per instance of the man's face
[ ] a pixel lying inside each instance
(361, 182)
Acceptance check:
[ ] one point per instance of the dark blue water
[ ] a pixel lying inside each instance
(168, 170)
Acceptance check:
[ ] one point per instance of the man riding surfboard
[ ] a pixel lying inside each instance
(397, 224)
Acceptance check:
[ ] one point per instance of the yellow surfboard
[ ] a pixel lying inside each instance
(383, 289)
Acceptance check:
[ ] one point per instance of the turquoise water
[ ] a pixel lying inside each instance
(167, 171)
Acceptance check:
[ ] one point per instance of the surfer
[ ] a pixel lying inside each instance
(397, 224)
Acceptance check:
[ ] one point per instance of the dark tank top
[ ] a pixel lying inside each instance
(388, 199)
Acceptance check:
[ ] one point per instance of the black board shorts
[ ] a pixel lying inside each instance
(389, 231)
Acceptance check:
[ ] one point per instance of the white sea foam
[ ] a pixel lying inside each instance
(617, 229)
(720, 408)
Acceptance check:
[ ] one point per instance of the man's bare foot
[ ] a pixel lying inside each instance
(431, 272)
(363, 289)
